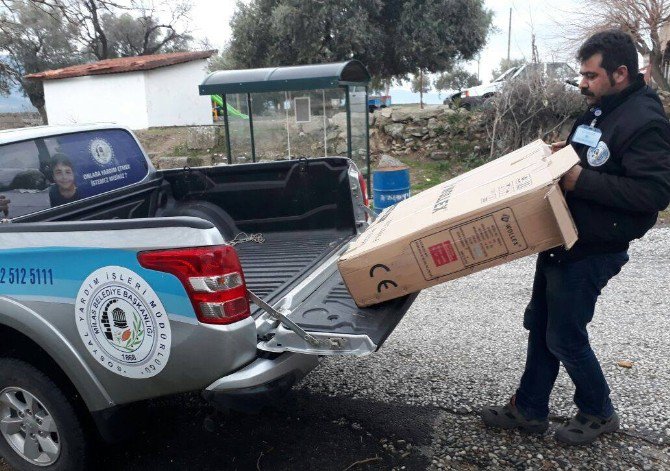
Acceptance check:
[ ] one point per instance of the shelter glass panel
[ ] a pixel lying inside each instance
(336, 110)
(306, 123)
(359, 132)
(238, 126)
(270, 134)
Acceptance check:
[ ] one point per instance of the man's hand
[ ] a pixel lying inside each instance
(4, 205)
(569, 180)
(555, 146)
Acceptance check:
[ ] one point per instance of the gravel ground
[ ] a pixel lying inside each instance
(462, 347)
(413, 404)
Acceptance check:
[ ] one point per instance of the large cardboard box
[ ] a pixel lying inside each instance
(501, 211)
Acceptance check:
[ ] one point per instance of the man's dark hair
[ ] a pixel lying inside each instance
(617, 49)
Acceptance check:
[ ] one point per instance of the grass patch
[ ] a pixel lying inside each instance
(425, 174)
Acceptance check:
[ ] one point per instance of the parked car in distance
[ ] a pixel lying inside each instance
(476, 96)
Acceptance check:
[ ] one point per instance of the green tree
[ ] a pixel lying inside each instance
(34, 38)
(393, 38)
(38, 35)
(506, 65)
(456, 79)
(138, 36)
(420, 84)
(221, 61)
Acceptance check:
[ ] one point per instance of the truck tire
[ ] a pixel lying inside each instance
(209, 212)
(39, 426)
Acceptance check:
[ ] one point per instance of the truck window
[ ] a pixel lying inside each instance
(52, 171)
(101, 161)
(21, 179)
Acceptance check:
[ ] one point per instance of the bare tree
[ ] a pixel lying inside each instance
(33, 38)
(529, 109)
(642, 19)
(109, 28)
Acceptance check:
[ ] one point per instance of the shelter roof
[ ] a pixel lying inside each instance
(299, 77)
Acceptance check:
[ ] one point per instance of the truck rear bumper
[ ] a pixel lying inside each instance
(260, 382)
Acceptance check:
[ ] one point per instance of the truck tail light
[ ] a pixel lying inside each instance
(364, 189)
(212, 277)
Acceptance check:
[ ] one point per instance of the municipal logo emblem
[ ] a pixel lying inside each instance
(101, 151)
(598, 155)
(123, 323)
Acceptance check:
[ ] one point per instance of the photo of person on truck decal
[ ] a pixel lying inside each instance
(64, 189)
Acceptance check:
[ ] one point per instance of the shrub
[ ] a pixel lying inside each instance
(525, 110)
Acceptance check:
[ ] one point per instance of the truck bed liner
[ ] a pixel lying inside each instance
(285, 257)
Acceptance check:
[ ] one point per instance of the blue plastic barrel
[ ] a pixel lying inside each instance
(389, 186)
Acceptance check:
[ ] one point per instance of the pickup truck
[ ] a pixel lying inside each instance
(121, 283)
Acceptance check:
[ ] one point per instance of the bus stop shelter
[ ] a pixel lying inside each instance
(294, 112)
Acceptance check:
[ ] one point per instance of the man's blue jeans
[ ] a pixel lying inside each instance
(562, 304)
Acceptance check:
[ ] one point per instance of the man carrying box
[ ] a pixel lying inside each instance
(614, 195)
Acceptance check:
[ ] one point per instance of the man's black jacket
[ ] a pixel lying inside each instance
(625, 180)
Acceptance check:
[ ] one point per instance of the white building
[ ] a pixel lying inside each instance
(137, 92)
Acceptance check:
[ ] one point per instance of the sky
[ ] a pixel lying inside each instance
(210, 20)
(541, 17)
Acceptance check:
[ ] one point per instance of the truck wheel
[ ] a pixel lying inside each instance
(39, 428)
(209, 212)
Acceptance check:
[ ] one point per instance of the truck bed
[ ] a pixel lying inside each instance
(284, 258)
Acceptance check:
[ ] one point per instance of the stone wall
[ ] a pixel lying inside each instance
(436, 132)
(19, 120)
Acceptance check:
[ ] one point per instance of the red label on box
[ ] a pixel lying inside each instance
(442, 253)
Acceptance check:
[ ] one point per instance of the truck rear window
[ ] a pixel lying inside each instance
(47, 172)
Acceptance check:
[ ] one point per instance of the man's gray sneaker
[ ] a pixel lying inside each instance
(509, 417)
(584, 428)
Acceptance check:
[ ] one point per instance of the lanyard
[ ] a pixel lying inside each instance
(597, 112)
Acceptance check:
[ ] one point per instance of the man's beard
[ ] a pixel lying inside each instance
(586, 92)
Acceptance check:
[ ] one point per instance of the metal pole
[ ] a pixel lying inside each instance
(367, 137)
(348, 105)
(509, 35)
(251, 128)
(325, 124)
(227, 128)
(288, 132)
(479, 57)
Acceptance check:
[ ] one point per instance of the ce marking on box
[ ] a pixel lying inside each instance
(383, 284)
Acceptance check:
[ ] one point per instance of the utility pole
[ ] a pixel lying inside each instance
(479, 58)
(509, 34)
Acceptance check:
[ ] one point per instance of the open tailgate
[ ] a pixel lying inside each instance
(331, 323)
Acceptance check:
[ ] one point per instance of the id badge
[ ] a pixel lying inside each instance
(587, 135)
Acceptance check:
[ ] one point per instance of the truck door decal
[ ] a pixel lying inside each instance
(123, 323)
